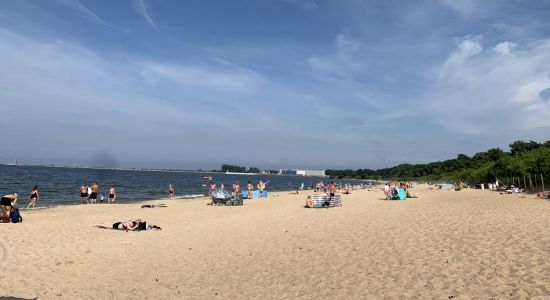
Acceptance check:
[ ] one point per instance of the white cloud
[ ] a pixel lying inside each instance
(482, 93)
(141, 9)
(465, 48)
(504, 48)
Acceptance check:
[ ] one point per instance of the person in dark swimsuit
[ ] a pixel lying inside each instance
(84, 193)
(34, 197)
(112, 194)
(170, 191)
(122, 225)
(93, 195)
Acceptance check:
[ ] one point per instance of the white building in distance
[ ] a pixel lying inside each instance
(303, 172)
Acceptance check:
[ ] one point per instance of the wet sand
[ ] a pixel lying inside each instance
(445, 244)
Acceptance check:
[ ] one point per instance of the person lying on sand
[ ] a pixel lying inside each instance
(153, 205)
(122, 225)
(409, 195)
(134, 225)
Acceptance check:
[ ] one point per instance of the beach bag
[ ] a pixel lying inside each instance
(4, 218)
(16, 216)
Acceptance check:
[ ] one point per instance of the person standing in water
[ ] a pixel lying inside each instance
(34, 197)
(112, 194)
(93, 195)
(84, 193)
(170, 191)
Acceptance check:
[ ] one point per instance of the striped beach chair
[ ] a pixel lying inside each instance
(320, 200)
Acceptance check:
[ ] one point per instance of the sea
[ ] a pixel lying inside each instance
(60, 185)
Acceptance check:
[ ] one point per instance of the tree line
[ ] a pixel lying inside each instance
(523, 158)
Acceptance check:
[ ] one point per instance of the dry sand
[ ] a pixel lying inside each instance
(446, 244)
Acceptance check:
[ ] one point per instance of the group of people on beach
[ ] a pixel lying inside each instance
(236, 188)
(89, 194)
(8, 203)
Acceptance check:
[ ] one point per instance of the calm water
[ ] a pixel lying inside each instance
(61, 185)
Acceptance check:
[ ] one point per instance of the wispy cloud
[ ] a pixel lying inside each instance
(465, 8)
(203, 76)
(141, 9)
(342, 63)
(307, 5)
(85, 12)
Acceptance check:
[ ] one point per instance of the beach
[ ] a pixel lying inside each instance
(445, 245)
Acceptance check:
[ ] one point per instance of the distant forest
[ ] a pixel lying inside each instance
(522, 159)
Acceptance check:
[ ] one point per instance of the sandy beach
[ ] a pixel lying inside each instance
(443, 245)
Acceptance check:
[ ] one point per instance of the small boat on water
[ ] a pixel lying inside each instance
(207, 177)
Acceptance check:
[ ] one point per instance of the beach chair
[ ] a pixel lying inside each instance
(322, 201)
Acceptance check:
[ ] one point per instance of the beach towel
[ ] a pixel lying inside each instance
(402, 194)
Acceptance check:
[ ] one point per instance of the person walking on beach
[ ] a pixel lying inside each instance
(170, 191)
(84, 193)
(34, 197)
(112, 194)
(93, 195)
(8, 202)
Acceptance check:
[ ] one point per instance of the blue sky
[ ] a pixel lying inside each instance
(270, 83)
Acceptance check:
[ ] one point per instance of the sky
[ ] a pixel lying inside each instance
(273, 84)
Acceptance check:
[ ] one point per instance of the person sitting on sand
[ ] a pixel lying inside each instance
(212, 187)
(236, 189)
(309, 202)
(331, 189)
(122, 225)
(8, 202)
(34, 197)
